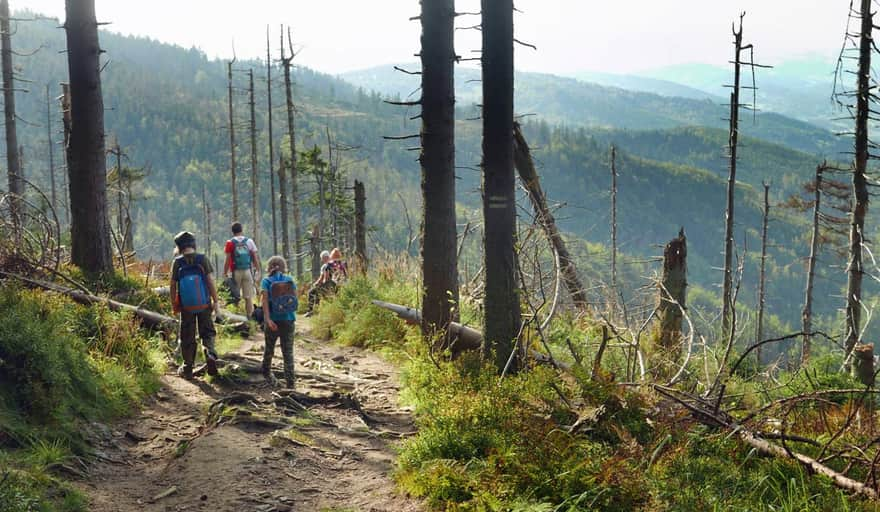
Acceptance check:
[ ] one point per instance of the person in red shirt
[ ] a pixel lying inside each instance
(242, 262)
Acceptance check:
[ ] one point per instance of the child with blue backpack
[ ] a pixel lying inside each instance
(194, 297)
(279, 306)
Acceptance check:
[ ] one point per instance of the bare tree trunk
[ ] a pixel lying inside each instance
(360, 226)
(673, 295)
(759, 333)
(727, 317)
(13, 164)
(285, 231)
(271, 144)
(294, 185)
(254, 182)
(614, 222)
(501, 302)
(440, 298)
(807, 314)
(860, 183)
(207, 212)
(120, 199)
(315, 252)
(232, 167)
(532, 183)
(65, 118)
(90, 229)
(51, 147)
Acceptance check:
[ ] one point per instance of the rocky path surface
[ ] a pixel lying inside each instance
(238, 445)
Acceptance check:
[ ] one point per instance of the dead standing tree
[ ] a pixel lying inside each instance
(285, 227)
(859, 181)
(89, 225)
(673, 295)
(287, 63)
(529, 177)
(360, 226)
(501, 300)
(440, 295)
(759, 325)
(51, 151)
(271, 144)
(232, 167)
(13, 164)
(255, 218)
(614, 221)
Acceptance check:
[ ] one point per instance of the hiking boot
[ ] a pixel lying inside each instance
(185, 371)
(211, 363)
(270, 379)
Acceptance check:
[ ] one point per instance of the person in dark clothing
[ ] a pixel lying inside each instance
(323, 286)
(194, 298)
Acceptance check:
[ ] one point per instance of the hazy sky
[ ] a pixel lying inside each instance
(571, 35)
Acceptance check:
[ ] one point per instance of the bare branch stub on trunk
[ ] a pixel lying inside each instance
(440, 295)
(86, 161)
(501, 301)
(528, 175)
(673, 295)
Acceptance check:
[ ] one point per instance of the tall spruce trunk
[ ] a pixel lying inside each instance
(440, 298)
(274, 200)
(525, 165)
(51, 150)
(294, 176)
(860, 183)
(674, 290)
(285, 231)
(762, 276)
(727, 315)
(13, 164)
(255, 184)
(501, 303)
(90, 229)
(807, 313)
(232, 167)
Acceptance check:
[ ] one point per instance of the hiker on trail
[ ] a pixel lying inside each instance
(279, 307)
(338, 268)
(323, 286)
(194, 297)
(242, 262)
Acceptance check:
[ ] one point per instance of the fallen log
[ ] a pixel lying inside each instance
(468, 338)
(150, 319)
(702, 413)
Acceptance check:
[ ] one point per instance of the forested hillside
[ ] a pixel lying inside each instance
(166, 106)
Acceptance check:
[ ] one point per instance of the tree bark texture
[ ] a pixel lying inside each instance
(13, 164)
(674, 290)
(360, 226)
(501, 304)
(439, 238)
(86, 157)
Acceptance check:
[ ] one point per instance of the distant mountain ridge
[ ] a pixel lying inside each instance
(573, 102)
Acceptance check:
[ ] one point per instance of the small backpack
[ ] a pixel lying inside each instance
(241, 255)
(282, 295)
(192, 284)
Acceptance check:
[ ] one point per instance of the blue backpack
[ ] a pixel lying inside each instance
(192, 286)
(282, 295)
(241, 255)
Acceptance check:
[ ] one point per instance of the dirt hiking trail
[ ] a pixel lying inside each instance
(239, 445)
